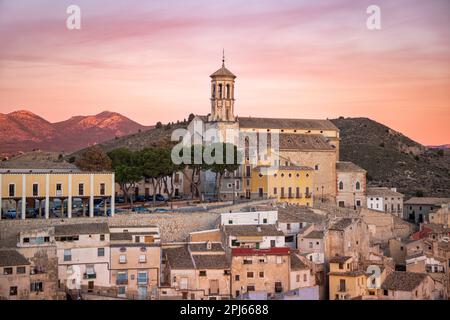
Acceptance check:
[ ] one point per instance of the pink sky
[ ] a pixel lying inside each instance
(151, 60)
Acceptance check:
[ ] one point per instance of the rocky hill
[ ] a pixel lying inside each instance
(392, 159)
(23, 131)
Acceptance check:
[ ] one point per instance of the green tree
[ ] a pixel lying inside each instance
(221, 168)
(127, 170)
(94, 159)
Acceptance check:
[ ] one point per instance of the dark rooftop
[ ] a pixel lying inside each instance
(280, 123)
(403, 281)
(347, 166)
(342, 224)
(211, 261)
(296, 263)
(339, 259)
(10, 258)
(202, 247)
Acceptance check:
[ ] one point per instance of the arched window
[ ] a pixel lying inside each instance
(341, 185)
(220, 90)
(213, 90)
(358, 185)
(228, 91)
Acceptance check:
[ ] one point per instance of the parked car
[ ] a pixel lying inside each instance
(140, 210)
(11, 214)
(31, 213)
(158, 197)
(161, 210)
(120, 200)
(116, 211)
(139, 198)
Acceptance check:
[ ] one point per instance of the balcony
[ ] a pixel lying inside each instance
(308, 195)
(89, 276)
(121, 281)
(142, 281)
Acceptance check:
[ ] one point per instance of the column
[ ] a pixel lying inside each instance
(69, 199)
(1, 204)
(47, 196)
(91, 197)
(113, 194)
(24, 196)
(40, 208)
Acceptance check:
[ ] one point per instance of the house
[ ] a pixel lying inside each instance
(346, 281)
(196, 271)
(417, 209)
(260, 270)
(135, 261)
(252, 236)
(402, 285)
(38, 246)
(291, 184)
(252, 217)
(386, 200)
(351, 185)
(15, 276)
(83, 257)
(313, 242)
(301, 275)
(347, 237)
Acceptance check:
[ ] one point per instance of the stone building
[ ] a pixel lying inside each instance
(351, 185)
(386, 200)
(346, 281)
(195, 271)
(418, 208)
(14, 276)
(347, 237)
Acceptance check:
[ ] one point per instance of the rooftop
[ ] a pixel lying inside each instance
(340, 259)
(290, 214)
(294, 141)
(347, 166)
(211, 261)
(10, 258)
(428, 201)
(202, 247)
(280, 123)
(253, 230)
(297, 263)
(260, 252)
(403, 281)
(382, 192)
(81, 228)
(342, 224)
(315, 234)
(179, 257)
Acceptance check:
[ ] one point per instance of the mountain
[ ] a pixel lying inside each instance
(23, 131)
(442, 147)
(392, 159)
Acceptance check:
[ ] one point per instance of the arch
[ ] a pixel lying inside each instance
(220, 91)
(341, 185)
(228, 91)
(213, 90)
(358, 185)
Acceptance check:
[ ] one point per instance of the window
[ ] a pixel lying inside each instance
(142, 258)
(272, 243)
(358, 203)
(261, 274)
(13, 291)
(100, 252)
(81, 189)
(36, 287)
(279, 260)
(58, 188)
(121, 290)
(282, 192)
(261, 192)
(341, 185)
(358, 185)
(7, 271)
(102, 237)
(102, 189)
(249, 274)
(288, 226)
(122, 259)
(297, 192)
(310, 245)
(248, 261)
(142, 277)
(305, 277)
(275, 190)
(251, 288)
(297, 278)
(265, 220)
(316, 167)
(67, 255)
(21, 270)
(12, 190)
(202, 273)
(35, 189)
(236, 277)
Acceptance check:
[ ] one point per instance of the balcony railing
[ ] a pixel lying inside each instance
(142, 281)
(121, 281)
(308, 195)
(89, 276)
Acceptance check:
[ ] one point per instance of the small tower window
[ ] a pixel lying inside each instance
(213, 90)
(220, 90)
(228, 91)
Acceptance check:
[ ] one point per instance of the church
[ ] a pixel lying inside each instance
(304, 144)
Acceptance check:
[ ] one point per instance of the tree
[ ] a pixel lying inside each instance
(158, 125)
(191, 117)
(94, 159)
(127, 171)
(221, 168)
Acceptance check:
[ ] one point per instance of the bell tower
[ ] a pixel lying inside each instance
(222, 94)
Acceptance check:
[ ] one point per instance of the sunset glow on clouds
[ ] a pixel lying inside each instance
(151, 60)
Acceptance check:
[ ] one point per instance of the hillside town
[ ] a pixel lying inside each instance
(291, 221)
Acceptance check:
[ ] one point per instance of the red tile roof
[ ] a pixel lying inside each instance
(260, 252)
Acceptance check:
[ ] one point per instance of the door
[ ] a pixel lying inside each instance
(142, 293)
(90, 286)
(213, 287)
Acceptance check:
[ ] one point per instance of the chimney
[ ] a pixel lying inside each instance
(394, 189)
(208, 245)
(258, 229)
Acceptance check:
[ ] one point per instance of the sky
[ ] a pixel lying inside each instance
(150, 60)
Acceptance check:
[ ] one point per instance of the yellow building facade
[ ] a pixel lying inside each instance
(345, 280)
(44, 185)
(291, 184)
